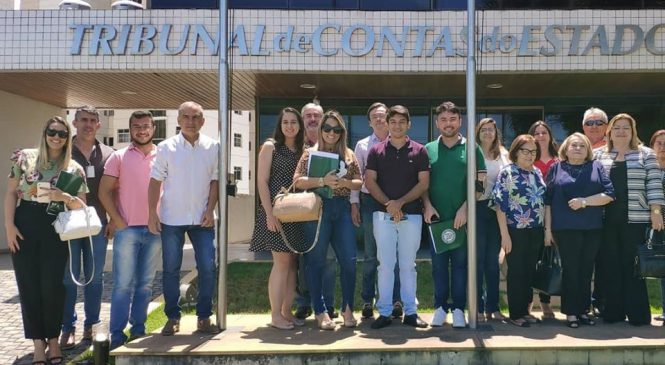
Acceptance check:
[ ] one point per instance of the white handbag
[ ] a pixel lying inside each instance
(74, 224)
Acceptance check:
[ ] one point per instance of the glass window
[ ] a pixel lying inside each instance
(158, 113)
(266, 127)
(237, 140)
(160, 130)
(123, 136)
(186, 4)
(394, 5)
(358, 129)
(259, 4)
(237, 172)
(323, 4)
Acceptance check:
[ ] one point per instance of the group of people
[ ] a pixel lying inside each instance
(152, 196)
(594, 197)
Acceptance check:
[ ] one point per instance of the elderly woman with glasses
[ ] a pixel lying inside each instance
(638, 187)
(336, 224)
(38, 254)
(577, 189)
(518, 196)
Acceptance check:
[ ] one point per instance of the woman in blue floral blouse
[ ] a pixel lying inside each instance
(38, 255)
(518, 194)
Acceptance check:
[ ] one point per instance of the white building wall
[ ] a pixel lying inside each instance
(26, 118)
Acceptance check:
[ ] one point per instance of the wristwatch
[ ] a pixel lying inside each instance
(321, 184)
(656, 211)
(583, 203)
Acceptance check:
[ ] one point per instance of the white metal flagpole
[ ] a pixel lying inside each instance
(471, 161)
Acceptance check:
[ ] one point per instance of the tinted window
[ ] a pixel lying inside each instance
(324, 4)
(394, 5)
(259, 4)
(183, 4)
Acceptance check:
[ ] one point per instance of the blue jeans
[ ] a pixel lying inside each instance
(336, 230)
(302, 298)
(367, 207)
(397, 242)
(449, 271)
(173, 239)
(136, 254)
(488, 245)
(92, 293)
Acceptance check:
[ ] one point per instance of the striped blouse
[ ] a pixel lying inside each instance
(645, 186)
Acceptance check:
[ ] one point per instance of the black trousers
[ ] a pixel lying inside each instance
(625, 294)
(39, 266)
(521, 268)
(578, 249)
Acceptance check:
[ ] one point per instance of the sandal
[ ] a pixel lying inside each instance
(288, 326)
(520, 322)
(324, 322)
(39, 362)
(584, 319)
(495, 315)
(531, 319)
(573, 324)
(56, 360)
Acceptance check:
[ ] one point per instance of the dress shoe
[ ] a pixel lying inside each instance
(398, 311)
(68, 340)
(381, 322)
(368, 311)
(303, 312)
(87, 333)
(171, 327)
(414, 320)
(205, 326)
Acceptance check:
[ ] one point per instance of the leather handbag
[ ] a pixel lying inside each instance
(650, 257)
(292, 207)
(74, 224)
(547, 278)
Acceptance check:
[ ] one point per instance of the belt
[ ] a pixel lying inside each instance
(33, 203)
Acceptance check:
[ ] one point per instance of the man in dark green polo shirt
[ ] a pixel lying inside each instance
(446, 199)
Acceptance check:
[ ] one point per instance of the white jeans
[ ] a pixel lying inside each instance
(395, 241)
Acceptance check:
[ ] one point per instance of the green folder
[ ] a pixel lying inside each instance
(446, 238)
(319, 165)
(70, 184)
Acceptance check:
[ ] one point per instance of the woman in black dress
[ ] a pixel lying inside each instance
(277, 163)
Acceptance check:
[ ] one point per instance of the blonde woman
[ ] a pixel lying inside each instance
(637, 179)
(336, 223)
(38, 255)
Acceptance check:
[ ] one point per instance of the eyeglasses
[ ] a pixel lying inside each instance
(526, 152)
(53, 132)
(592, 122)
(328, 128)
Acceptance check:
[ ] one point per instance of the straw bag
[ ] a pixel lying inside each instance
(292, 207)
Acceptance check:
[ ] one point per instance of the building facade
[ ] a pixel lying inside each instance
(536, 60)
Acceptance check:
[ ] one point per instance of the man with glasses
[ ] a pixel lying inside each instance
(594, 124)
(397, 175)
(186, 167)
(362, 208)
(91, 155)
(446, 200)
(123, 191)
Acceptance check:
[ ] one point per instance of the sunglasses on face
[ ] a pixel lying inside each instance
(592, 122)
(53, 132)
(327, 128)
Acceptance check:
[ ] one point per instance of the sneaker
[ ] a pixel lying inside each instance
(397, 310)
(171, 327)
(458, 319)
(439, 318)
(303, 312)
(205, 326)
(87, 333)
(368, 311)
(68, 340)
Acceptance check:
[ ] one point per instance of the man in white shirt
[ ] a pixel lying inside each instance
(186, 169)
(362, 208)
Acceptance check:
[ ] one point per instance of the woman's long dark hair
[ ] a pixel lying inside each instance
(552, 147)
(278, 135)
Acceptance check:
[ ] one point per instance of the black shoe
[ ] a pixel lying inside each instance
(414, 320)
(397, 310)
(368, 311)
(585, 320)
(381, 322)
(303, 312)
(333, 313)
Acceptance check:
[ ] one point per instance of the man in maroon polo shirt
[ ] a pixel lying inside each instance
(397, 174)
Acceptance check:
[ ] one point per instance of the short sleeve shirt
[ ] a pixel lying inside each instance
(397, 170)
(24, 168)
(520, 195)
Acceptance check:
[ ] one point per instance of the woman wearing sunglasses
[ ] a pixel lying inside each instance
(518, 195)
(336, 224)
(638, 187)
(38, 255)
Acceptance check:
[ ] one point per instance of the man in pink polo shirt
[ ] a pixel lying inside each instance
(123, 191)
